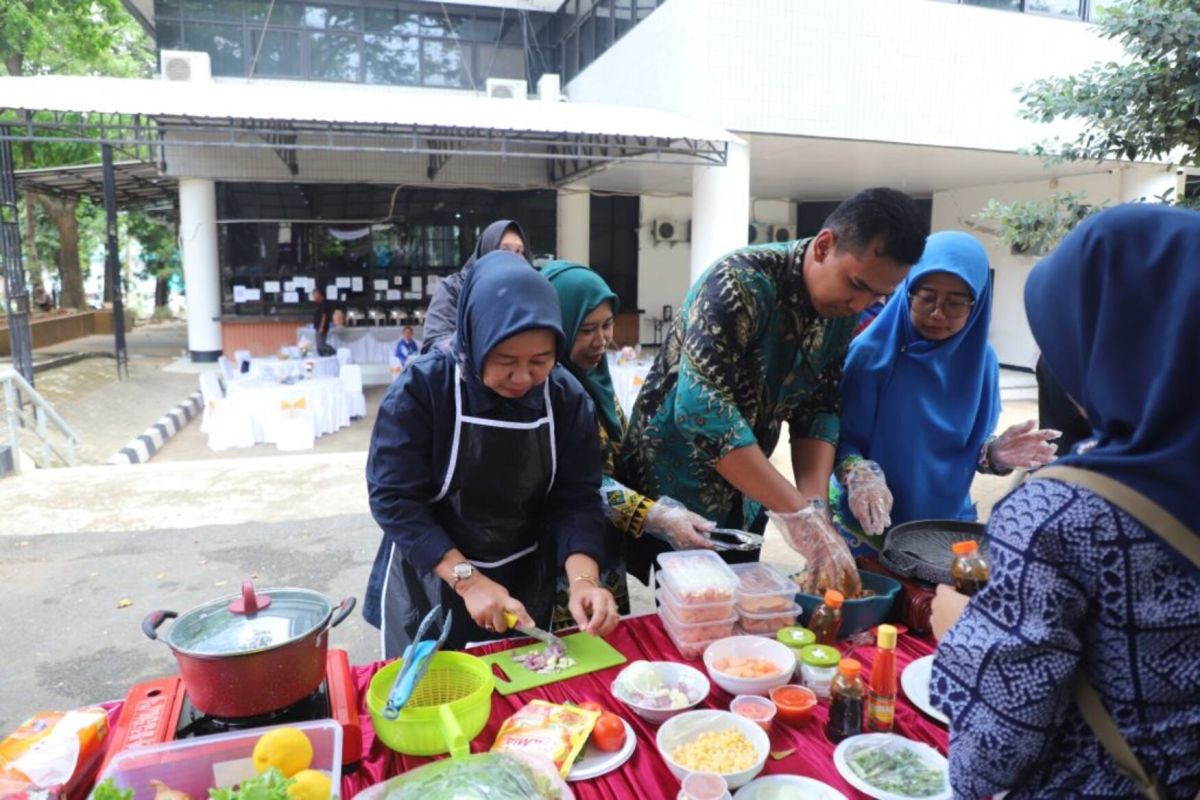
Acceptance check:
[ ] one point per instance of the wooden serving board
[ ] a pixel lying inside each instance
(591, 654)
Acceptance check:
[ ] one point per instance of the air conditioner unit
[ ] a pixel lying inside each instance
(507, 89)
(185, 65)
(782, 233)
(670, 230)
(760, 233)
(1187, 184)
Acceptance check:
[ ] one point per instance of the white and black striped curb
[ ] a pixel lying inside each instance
(143, 448)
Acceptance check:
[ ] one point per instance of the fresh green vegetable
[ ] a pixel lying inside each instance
(483, 776)
(107, 790)
(269, 785)
(897, 770)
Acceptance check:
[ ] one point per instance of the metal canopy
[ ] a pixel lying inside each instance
(137, 183)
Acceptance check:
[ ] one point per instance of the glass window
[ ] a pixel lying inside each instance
(603, 16)
(479, 29)
(1006, 5)
(223, 43)
(166, 8)
(170, 34)
(279, 56)
(644, 7)
(442, 64)
(587, 42)
(391, 20)
(623, 17)
(224, 10)
(1064, 8)
(509, 62)
(393, 60)
(570, 65)
(281, 13)
(334, 56)
(332, 17)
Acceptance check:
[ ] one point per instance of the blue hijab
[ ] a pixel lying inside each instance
(920, 408)
(502, 297)
(1116, 311)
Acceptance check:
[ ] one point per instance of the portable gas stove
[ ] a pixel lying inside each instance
(159, 711)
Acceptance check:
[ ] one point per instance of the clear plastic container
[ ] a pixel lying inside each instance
(818, 667)
(703, 630)
(196, 765)
(689, 650)
(762, 588)
(767, 624)
(697, 577)
(694, 612)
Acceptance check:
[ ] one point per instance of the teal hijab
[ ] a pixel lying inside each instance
(580, 291)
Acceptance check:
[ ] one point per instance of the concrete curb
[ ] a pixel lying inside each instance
(143, 448)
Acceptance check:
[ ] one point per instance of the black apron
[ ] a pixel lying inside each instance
(490, 505)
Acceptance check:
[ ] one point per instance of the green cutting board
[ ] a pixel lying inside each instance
(591, 654)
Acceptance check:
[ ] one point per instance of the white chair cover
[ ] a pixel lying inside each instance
(351, 376)
(293, 428)
(225, 429)
(227, 370)
(343, 355)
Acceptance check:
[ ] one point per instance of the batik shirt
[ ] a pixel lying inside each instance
(746, 353)
(1076, 585)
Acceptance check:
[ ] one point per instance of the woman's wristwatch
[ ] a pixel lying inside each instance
(461, 571)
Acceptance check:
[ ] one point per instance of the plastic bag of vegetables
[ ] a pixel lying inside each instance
(481, 776)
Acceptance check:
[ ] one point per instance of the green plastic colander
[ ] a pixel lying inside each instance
(448, 708)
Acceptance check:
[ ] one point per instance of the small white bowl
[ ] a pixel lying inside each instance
(687, 726)
(671, 673)
(750, 647)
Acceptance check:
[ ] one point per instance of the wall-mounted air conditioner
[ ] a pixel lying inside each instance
(507, 89)
(185, 65)
(760, 233)
(670, 230)
(782, 233)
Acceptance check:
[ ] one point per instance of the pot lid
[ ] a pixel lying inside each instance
(213, 629)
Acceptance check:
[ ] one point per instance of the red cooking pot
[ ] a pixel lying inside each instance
(251, 653)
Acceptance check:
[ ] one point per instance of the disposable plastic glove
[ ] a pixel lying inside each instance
(829, 564)
(868, 496)
(1022, 447)
(669, 520)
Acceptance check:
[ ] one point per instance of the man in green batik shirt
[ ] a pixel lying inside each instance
(758, 341)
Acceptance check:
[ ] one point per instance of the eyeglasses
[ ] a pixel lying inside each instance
(926, 302)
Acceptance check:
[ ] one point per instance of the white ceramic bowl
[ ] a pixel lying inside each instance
(671, 674)
(750, 647)
(687, 726)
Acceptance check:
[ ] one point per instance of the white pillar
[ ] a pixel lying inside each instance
(574, 224)
(720, 208)
(201, 270)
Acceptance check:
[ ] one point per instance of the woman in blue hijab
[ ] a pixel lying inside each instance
(920, 399)
(1083, 592)
(484, 473)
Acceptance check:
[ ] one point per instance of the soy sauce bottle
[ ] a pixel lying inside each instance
(827, 619)
(969, 570)
(846, 705)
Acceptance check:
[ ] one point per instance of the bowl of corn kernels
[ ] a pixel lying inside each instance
(714, 741)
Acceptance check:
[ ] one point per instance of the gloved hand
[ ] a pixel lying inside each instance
(828, 562)
(669, 520)
(1022, 447)
(868, 496)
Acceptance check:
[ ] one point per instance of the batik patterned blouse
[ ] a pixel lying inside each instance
(1076, 584)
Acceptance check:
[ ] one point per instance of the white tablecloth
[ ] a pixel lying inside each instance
(368, 344)
(267, 402)
(278, 369)
(627, 380)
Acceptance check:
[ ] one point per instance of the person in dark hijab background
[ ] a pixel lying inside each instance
(484, 474)
(442, 315)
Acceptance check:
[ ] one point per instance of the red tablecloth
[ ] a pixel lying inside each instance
(645, 775)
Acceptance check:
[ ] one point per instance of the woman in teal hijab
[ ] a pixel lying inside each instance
(589, 310)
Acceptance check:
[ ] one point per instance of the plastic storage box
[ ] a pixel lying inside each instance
(689, 650)
(196, 765)
(703, 630)
(696, 577)
(765, 598)
(693, 612)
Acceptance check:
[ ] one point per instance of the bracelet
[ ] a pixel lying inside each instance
(590, 578)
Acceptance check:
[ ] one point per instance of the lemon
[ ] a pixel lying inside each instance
(310, 784)
(286, 749)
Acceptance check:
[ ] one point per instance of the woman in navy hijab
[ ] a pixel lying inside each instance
(920, 399)
(484, 474)
(1081, 590)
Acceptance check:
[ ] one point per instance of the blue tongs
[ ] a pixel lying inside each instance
(415, 661)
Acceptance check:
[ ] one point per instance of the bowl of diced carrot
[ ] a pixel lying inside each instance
(749, 664)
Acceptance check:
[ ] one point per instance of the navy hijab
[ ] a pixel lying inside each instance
(1116, 311)
(922, 409)
(489, 241)
(502, 297)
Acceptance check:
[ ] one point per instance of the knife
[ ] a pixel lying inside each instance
(510, 619)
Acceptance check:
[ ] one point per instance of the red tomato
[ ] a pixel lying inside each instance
(591, 705)
(609, 733)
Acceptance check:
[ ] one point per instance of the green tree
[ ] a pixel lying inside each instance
(1146, 108)
(158, 237)
(78, 37)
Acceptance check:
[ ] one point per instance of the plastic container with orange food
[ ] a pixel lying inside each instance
(696, 577)
(689, 650)
(694, 612)
(757, 709)
(793, 703)
(704, 630)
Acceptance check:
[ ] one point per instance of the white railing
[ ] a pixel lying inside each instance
(18, 394)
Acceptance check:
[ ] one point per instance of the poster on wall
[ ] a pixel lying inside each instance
(331, 292)
(356, 285)
(239, 294)
(291, 297)
(380, 285)
(253, 295)
(343, 283)
(271, 286)
(416, 284)
(393, 294)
